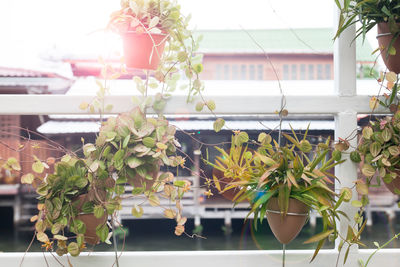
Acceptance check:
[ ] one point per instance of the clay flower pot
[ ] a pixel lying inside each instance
(286, 228)
(395, 184)
(138, 180)
(90, 221)
(143, 50)
(384, 38)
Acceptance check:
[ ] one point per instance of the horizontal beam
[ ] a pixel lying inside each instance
(270, 258)
(226, 105)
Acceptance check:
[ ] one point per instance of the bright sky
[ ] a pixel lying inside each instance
(54, 21)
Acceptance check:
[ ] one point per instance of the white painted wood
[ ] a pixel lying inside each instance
(344, 60)
(346, 125)
(272, 258)
(252, 104)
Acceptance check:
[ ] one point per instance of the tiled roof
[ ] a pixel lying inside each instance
(317, 40)
(17, 72)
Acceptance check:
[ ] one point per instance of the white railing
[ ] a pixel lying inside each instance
(344, 105)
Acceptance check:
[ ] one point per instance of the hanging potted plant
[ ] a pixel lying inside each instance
(378, 152)
(383, 14)
(146, 28)
(282, 184)
(76, 200)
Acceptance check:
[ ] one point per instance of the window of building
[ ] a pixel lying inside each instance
(328, 71)
(219, 72)
(302, 72)
(319, 72)
(294, 72)
(252, 72)
(260, 72)
(286, 72)
(243, 72)
(235, 72)
(311, 72)
(226, 72)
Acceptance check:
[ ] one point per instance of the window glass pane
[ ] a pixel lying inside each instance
(328, 72)
(235, 72)
(294, 72)
(252, 72)
(219, 72)
(311, 72)
(320, 75)
(243, 72)
(226, 72)
(302, 72)
(260, 72)
(286, 72)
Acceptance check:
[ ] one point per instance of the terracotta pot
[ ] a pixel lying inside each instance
(90, 221)
(141, 52)
(384, 39)
(395, 184)
(138, 180)
(286, 228)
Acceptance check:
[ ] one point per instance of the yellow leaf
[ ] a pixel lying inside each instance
(179, 230)
(34, 218)
(391, 77)
(38, 167)
(83, 106)
(170, 213)
(154, 201)
(373, 103)
(319, 237)
(27, 178)
(161, 146)
(42, 237)
(137, 211)
(216, 182)
(182, 221)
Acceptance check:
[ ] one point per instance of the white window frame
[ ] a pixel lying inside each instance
(344, 105)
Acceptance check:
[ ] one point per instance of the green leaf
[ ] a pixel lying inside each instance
(126, 141)
(38, 167)
(368, 170)
(42, 237)
(56, 228)
(137, 211)
(211, 105)
(149, 142)
(367, 132)
(102, 232)
(27, 178)
(356, 204)
(219, 124)
(73, 249)
(98, 211)
(199, 106)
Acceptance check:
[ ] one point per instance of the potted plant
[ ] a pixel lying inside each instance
(379, 152)
(77, 198)
(383, 13)
(147, 27)
(283, 183)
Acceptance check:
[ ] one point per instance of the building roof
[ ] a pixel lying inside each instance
(298, 41)
(317, 40)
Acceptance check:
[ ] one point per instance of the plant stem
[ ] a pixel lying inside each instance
(380, 247)
(115, 242)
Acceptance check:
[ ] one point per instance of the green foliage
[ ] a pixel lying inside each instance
(379, 149)
(368, 14)
(283, 172)
(130, 147)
